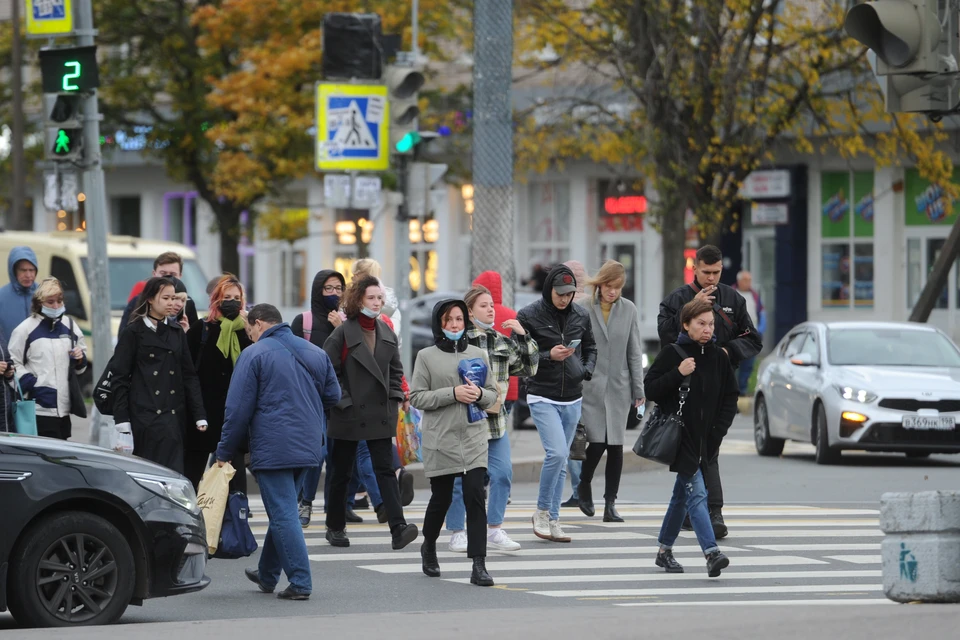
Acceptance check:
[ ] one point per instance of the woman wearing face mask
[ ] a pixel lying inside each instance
(215, 344)
(517, 355)
(452, 446)
(43, 348)
(616, 385)
(365, 356)
(155, 383)
(707, 412)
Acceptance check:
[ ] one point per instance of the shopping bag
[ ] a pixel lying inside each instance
(409, 436)
(24, 413)
(212, 498)
(236, 538)
(475, 371)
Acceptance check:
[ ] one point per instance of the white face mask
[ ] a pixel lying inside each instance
(52, 313)
(482, 325)
(370, 313)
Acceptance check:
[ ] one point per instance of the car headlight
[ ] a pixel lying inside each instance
(177, 490)
(853, 393)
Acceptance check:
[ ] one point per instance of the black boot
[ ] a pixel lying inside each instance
(716, 562)
(404, 535)
(610, 513)
(480, 577)
(572, 501)
(666, 561)
(719, 526)
(428, 559)
(585, 491)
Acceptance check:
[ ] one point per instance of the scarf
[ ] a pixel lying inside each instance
(228, 342)
(370, 324)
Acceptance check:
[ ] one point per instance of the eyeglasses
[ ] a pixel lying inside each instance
(334, 289)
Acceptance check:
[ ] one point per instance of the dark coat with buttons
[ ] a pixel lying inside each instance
(371, 383)
(154, 386)
(214, 371)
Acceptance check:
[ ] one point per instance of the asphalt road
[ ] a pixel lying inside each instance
(804, 539)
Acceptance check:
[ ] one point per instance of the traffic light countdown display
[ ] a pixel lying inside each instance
(67, 75)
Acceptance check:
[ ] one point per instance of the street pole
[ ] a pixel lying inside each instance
(937, 279)
(415, 30)
(403, 263)
(95, 207)
(18, 213)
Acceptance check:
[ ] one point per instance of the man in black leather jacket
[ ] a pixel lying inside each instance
(735, 334)
(568, 354)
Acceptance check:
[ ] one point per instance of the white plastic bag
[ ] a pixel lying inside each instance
(124, 442)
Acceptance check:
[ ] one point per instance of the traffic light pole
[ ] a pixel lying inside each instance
(403, 262)
(95, 207)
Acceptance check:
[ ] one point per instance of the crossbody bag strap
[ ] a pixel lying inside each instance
(685, 385)
(299, 361)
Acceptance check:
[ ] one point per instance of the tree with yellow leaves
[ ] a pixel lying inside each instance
(695, 95)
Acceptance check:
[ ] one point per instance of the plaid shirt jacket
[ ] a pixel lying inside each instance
(514, 356)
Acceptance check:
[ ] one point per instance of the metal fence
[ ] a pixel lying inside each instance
(492, 246)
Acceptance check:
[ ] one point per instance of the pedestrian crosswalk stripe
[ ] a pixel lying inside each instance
(680, 577)
(846, 602)
(856, 559)
(693, 591)
(816, 547)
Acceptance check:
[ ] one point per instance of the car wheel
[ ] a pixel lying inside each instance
(72, 569)
(767, 445)
(825, 453)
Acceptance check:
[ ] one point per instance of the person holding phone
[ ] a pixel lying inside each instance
(615, 388)
(735, 336)
(568, 355)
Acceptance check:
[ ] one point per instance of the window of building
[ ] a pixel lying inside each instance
(293, 266)
(926, 227)
(180, 219)
(73, 301)
(846, 233)
(548, 223)
(125, 216)
(922, 254)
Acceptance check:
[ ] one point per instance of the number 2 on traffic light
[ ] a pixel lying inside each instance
(68, 77)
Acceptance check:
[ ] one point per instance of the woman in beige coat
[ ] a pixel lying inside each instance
(617, 384)
(452, 446)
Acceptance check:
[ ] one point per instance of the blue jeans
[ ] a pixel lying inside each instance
(284, 547)
(364, 473)
(500, 472)
(744, 373)
(573, 470)
(556, 424)
(689, 494)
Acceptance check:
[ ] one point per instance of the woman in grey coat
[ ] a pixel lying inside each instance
(617, 384)
(452, 446)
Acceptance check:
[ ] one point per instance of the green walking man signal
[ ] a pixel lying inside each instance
(63, 142)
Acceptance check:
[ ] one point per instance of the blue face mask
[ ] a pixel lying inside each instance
(331, 302)
(53, 313)
(369, 313)
(453, 336)
(483, 325)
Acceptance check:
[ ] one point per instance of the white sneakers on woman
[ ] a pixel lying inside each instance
(497, 539)
(547, 529)
(458, 542)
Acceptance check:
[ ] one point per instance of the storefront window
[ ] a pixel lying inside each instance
(934, 246)
(549, 212)
(847, 232)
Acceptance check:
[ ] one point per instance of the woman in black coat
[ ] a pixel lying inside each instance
(154, 380)
(215, 344)
(367, 361)
(707, 412)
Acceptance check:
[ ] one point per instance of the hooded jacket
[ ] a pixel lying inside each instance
(319, 309)
(492, 281)
(549, 327)
(711, 404)
(450, 443)
(14, 297)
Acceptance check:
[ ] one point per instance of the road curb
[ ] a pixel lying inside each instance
(526, 469)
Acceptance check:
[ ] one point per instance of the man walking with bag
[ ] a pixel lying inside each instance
(280, 389)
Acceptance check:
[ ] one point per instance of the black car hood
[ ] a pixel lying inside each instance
(48, 447)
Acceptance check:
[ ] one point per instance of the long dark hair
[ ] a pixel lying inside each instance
(150, 291)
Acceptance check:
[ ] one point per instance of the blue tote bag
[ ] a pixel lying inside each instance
(24, 413)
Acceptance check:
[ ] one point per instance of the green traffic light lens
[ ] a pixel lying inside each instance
(408, 142)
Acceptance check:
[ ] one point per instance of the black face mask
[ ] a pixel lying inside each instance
(230, 309)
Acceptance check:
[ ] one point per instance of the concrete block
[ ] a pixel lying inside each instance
(927, 511)
(921, 550)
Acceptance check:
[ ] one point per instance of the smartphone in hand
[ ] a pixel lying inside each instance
(573, 344)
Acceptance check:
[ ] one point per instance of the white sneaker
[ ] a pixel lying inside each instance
(458, 542)
(499, 540)
(556, 533)
(541, 525)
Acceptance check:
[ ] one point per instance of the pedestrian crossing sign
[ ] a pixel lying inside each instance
(353, 127)
(49, 17)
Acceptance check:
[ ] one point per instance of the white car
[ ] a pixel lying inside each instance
(869, 386)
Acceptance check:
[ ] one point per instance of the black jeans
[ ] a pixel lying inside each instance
(53, 427)
(343, 461)
(614, 467)
(195, 464)
(474, 500)
(711, 478)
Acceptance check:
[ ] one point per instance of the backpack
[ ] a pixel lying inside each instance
(103, 396)
(236, 538)
(307, 325)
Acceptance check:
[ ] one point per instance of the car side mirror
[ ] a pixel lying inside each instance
(803, 360)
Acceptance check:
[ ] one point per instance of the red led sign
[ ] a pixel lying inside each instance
(625, 205)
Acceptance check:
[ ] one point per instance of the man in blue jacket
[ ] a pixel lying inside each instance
(278, 393)
(15, 297)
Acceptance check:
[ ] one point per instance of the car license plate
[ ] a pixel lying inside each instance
(930, 423)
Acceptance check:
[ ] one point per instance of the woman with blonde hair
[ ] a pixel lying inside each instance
(44, 348)
(616, 386)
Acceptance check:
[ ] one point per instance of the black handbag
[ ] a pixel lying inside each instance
(578, 448)
(660, 437)
(77, 405)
